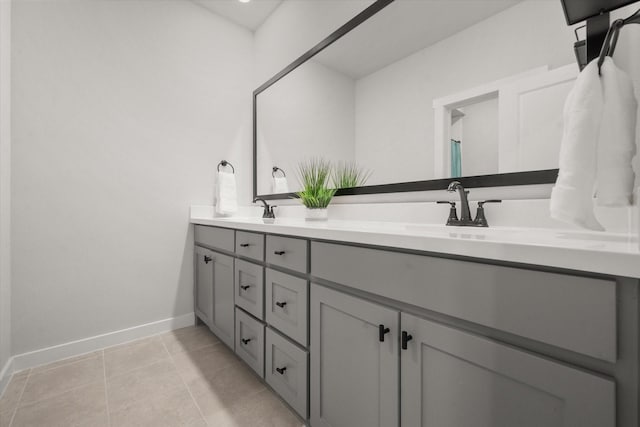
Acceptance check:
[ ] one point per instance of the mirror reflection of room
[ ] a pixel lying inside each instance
(474, 137)
(386, 95)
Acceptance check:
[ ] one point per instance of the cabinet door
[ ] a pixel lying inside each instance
(203, 295)
(354, 374)
(452, 378)
(214, 293)
(223, 307)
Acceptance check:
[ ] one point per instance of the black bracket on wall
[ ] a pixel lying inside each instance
(597, 28)
(596, 15)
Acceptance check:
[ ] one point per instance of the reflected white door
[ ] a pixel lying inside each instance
(531, 121)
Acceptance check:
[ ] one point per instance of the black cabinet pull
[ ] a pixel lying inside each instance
(244, 245)
(245, 341)
(207, 259)
(245, 287)
(382, 331)
(278, 252)
(281, 370)
(405, 339)
(281, 304)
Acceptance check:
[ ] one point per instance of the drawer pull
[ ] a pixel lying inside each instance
(245, 341)
(405, 339)
(281, 370)
(279, 252)
(207, 259)
(382, 331)
(245, 287)
(281, 304)
(244, 245)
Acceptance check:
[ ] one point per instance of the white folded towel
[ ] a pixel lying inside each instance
(280, 185)
(226, 194)
(597, 146)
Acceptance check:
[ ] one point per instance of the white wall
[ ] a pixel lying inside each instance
(308, 114)
(5, 185)
(394, 111)
(295, 27)
(121, 111)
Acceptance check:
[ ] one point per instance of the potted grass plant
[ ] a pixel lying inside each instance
(314, 175)
(349, 175)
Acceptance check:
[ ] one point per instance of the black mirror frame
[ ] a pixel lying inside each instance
(547, 176)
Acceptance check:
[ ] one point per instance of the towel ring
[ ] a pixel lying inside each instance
(275, 170)
(224, 163)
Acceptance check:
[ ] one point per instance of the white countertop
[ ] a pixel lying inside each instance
(606, 253)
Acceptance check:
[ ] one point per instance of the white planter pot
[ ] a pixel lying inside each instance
(316, 214)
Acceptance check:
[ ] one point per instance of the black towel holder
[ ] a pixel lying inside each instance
(611, 39)
(225, 163)
(275, 170)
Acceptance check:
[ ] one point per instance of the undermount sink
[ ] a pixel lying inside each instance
(594, 236)
(520, 235)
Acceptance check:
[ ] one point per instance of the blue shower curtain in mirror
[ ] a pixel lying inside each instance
(456, 159)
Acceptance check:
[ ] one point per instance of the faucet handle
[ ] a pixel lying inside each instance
(481, 204)
(453, 214)
(481, 220)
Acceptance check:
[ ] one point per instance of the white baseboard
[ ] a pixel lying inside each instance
(87, 345)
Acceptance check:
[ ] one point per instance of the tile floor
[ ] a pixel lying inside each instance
(182, 378)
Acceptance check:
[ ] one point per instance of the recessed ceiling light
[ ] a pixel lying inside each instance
(244, 1)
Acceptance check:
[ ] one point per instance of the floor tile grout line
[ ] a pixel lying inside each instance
(132, 342)
(146, 365)
(101, 352)
(24, 387)
(61, 363)
(106, 389)
(130, 371)
(195, 402)
(59, 393)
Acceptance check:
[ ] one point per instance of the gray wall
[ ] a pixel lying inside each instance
(5, 184)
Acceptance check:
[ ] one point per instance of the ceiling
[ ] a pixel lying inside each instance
(402, 28)
(249, 15)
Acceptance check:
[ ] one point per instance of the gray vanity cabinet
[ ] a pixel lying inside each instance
(354, 361)
(214, 293)
(452, 378)
(204, 289)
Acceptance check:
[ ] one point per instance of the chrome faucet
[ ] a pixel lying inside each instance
(268, 210)
(465, 212)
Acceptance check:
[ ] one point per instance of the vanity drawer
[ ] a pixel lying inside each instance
(250, 245)
(288, 253)
(571, 312)
(214, 237)
(250, 341)
(286, 370)
(249, 287)
(286, 302)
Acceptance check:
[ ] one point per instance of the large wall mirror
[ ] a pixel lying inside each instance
(422, 91)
